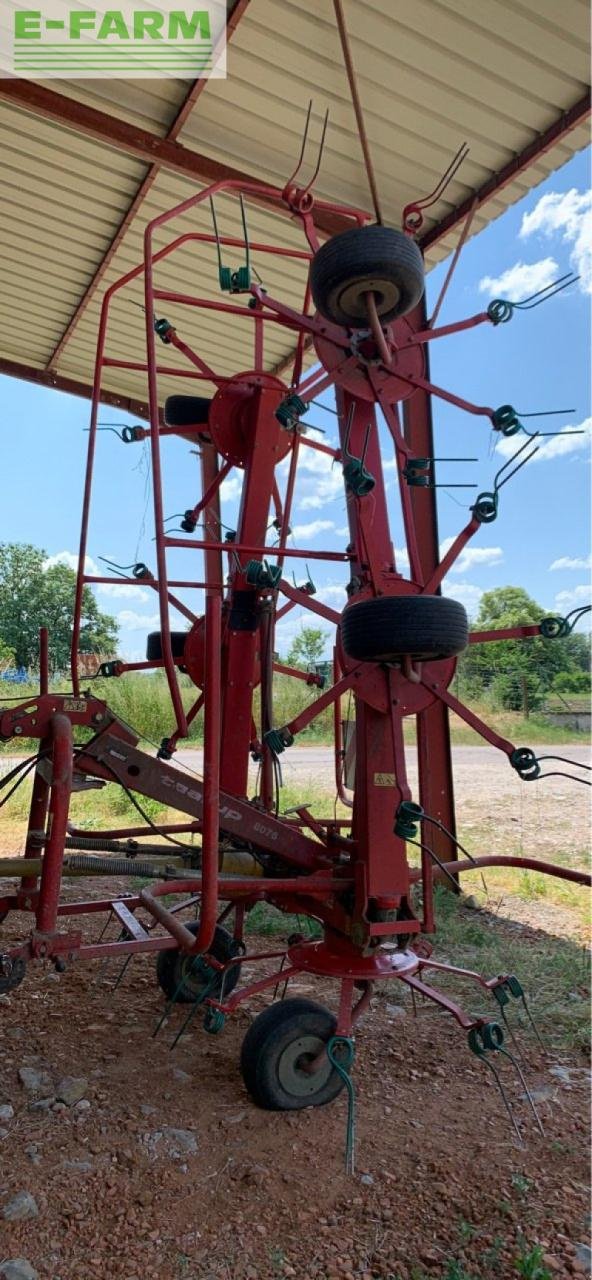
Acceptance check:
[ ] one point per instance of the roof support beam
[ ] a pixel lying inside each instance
(564, 124)
(59, 382)
(237, 11)
(114, 132)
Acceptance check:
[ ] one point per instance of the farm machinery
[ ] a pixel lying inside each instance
(361, 333)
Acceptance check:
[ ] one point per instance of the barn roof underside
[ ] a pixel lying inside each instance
(86, 164)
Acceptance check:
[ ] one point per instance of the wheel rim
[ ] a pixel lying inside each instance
(192, 980)
(295, 1079)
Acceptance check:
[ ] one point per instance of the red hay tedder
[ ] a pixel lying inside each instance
(396, 645)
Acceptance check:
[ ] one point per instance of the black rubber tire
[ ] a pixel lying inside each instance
(154, 645)
(170, 967)
(186, 411)
(391, 627)
(266, 1056)
(353, 262)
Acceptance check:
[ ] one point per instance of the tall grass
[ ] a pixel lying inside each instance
(143, 701)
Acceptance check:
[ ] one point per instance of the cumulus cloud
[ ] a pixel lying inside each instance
(566, 600)
(466, 593)
(129, 620)
(571, 439)
(333, 595)
(116, 590)
(320, 481)
(471, 557)
(571, 562)
(231, 488)
(311, 530)
(570, 214)
(521, 280)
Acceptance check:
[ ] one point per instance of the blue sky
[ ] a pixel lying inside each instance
(540, 360)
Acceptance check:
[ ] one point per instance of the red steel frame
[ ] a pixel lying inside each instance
(353, 875)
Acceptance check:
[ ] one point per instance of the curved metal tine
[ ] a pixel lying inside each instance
(365, 447)
(531, 1019)
(507, 1054)
(497, 483)
(216, 232)
(320, 155)
(584, 608)
(543, 295)
(556, 773)
(277, 985)
(443, 869)
(445, 180)
(121, 568)
(483, 1057)
(245, 231)
(122, 971)
(436, 822)
(511, 1034)
(566, 759)
(302, 148)
(547, 413)
(348, 427)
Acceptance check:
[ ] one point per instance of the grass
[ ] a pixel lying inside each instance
(143, 701)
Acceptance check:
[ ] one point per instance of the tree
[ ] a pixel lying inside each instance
(508, 669)
(32, 596)
(307, 647)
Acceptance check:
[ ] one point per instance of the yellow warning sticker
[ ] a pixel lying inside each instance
(384, 779)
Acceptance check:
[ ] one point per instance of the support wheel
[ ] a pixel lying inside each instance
(154, 645)
(392, 627)
(176, 976)
(378, 259)
(277, 1052)
(186, 411)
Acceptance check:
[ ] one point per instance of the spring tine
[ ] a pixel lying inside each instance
(557, 286)
(302, 148)
(122, 972)
(348, 427)
(216, 232)
(414, 1002)
(531, 1020)
(445, 180)
(320, 155)
(511, 1034)
(544, 413)
(365, 447)
(507, 1054)
(497, 483)
(483, 1057)
(184, 1025)
(277, 985)
(245, 232)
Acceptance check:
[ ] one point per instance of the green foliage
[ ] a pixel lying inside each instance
(307, 647)
(7, 656)
(530, 1264)
(511, 673)
(32, 596)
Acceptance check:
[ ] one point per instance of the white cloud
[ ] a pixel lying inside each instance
(71, 561)
(311, 530)
(231, 488)
(568, 212)
(521, 280)
(119, 590)
(571, 439)
(566, 600)
(571, 562)
(465, 593)
(129, 620)
(333, 595)
(401, 558)
(470, 557)
(320, 480)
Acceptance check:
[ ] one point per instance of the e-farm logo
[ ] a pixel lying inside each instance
(135, 41)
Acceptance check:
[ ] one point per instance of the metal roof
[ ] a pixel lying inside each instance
(85, 164)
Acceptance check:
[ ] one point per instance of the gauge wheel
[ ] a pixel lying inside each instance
(277, 1054)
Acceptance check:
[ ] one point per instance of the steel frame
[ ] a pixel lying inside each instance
(352, 875)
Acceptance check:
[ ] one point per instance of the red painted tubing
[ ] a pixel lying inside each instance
(530, 864)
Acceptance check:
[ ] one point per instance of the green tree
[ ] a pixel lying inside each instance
(509, 668)
(7, 656)
(307, 647)
(32, 596)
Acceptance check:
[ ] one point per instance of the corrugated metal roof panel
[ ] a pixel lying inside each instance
(431, 75)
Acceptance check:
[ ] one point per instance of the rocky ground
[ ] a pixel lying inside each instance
(124, 1160)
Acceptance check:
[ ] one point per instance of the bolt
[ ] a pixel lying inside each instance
(98, 717)
(17, 728)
